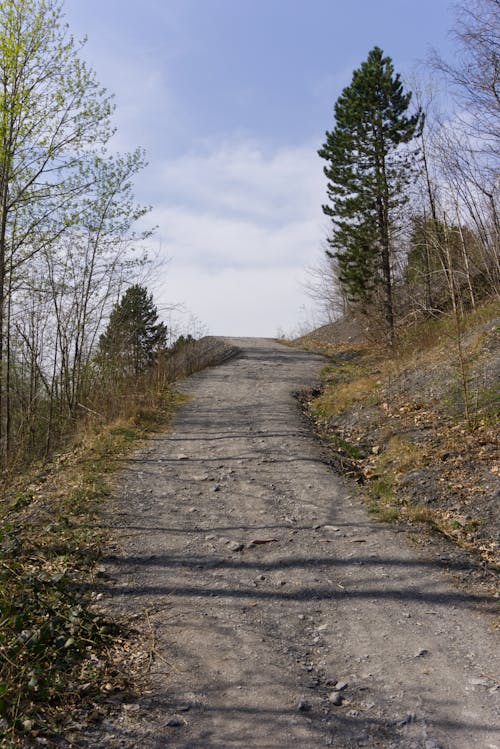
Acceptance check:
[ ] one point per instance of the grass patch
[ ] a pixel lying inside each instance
(353, 451)
(385, 513)
(400, 455)
(340, 396)
(435, 331)
(381, 488)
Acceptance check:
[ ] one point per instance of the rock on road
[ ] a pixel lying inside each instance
(283, 615)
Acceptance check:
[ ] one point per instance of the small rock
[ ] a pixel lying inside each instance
(131, 707)
(261, 541)
(422, 653)
(175, 723)
(331, 528)
(182, 457)
(235, 546)
(340, 685)
(335, 698)
(481, 682)
(410, 718)
(303, 706)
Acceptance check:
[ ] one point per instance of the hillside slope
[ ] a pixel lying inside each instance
(420, 428)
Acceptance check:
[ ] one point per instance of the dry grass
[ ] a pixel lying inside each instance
(338, 397)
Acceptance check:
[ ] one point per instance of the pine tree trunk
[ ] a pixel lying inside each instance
(383, 211)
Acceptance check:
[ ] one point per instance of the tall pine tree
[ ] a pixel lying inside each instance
(367, 171)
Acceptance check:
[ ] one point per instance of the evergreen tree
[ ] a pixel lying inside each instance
(367, 173)
(133, 337)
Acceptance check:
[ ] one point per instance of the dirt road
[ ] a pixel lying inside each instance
(272, 595)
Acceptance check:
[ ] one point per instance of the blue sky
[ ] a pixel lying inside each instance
(231, 100)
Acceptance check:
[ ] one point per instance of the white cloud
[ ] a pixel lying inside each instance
(239, 226)
(240, 179)
(236, 301)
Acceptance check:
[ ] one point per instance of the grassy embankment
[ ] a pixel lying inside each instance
(419, 427)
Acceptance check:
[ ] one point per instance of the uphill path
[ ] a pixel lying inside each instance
(282, 614)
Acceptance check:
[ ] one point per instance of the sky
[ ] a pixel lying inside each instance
(231, 100)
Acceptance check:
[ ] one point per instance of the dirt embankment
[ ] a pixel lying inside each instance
(399, 427)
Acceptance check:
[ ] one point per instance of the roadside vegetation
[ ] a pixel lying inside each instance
(396, 422)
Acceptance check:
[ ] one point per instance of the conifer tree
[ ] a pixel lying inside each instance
(133, 336)
(368, 169)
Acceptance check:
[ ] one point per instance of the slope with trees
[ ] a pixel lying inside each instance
(420, 238)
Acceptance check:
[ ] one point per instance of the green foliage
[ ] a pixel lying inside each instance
(181, 342)
(66, 211)
(133, 337)
(368, 169)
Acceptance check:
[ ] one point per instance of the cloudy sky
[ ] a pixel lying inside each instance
(231, 100)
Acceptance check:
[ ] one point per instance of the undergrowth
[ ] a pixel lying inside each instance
(56, 652)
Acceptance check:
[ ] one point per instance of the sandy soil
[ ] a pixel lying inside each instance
(281, 614)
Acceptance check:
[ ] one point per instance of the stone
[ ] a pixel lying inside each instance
(175, 723)
(335, 698)
(340, 685)
(303, 706)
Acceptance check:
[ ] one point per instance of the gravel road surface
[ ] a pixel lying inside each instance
(282, 615)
